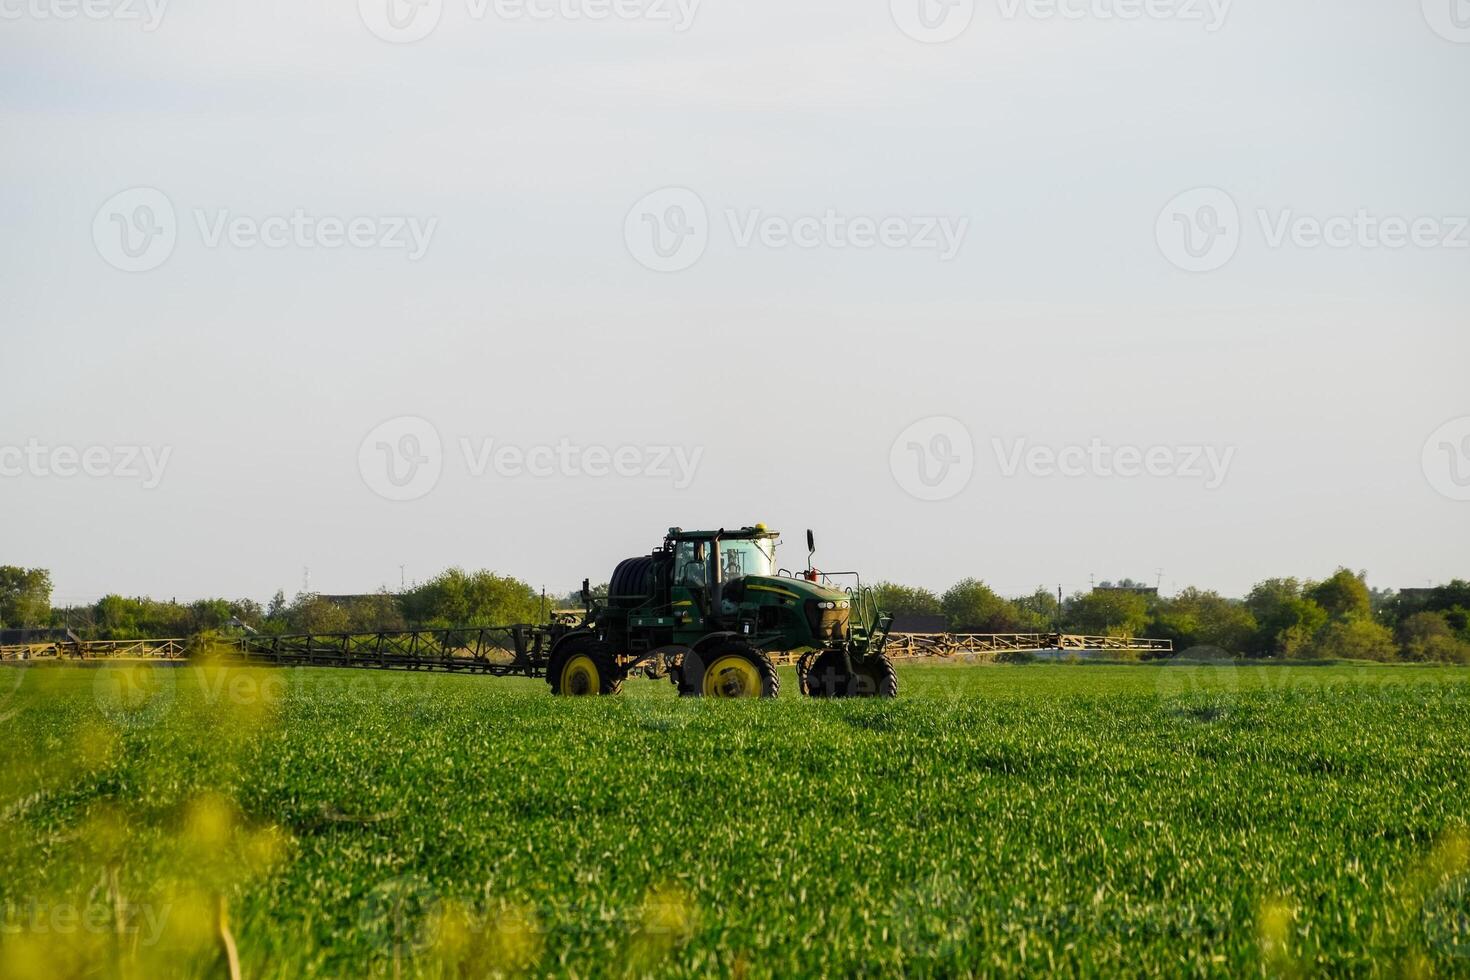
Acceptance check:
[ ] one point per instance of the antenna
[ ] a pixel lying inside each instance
(306, 579)
(402, 573)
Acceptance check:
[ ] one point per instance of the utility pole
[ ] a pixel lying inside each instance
(306, 579)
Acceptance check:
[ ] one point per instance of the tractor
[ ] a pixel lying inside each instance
(711, 611)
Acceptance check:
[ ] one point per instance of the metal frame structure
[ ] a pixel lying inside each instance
(910, 645)
(165, 649)
(504, 651)
(499, 651)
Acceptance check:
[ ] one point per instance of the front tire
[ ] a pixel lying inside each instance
(730, 670)
(584, 666)
(874, 677)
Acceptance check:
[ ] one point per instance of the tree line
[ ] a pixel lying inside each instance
(1338, 617)
(453, 598)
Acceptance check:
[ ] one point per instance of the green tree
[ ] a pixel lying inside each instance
(1286, 621)
(25, 597)
(971, 606)
(310, 613)
(1196, 618)
(380, 611)
(457, 598)
(1353, 638)
(1107, 613)
(906, 600)
(1039, 612)
(1428, 636)
(1344, 594)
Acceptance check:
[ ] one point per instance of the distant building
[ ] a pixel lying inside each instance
(919, 624)
(1144, 590)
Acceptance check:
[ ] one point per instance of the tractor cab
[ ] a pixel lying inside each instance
(702, 558)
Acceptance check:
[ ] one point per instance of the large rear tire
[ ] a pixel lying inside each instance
(733, 669)
(583, 666)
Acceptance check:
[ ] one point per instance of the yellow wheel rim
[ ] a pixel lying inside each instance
(732, 677)
(579, 676)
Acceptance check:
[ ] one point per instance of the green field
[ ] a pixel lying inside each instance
(1220, 820)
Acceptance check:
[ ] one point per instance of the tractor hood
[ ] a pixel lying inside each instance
(793, 588)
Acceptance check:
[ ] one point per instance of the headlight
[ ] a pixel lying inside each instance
(825, 605)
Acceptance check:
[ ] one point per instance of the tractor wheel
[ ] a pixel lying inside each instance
(875, 678)
(827, 677)
(872, 678)
(730, 670)
(584, 667)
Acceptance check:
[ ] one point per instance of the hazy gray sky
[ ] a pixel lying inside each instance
(801, 266)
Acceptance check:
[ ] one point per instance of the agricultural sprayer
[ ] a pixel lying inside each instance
(711, 611)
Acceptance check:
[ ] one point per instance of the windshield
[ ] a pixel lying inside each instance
(751, 557)
(737, 559)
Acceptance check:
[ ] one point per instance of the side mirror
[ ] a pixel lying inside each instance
(811, 541)
(586, 592)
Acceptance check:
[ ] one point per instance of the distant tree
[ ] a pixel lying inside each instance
(1038, 612)
(1344, 594)
(1428, 636)
(209, 614)
(247, 611)
(1124, 583)
(310, 613)
(972, 606)
(1107, 613)
(906, 600)
(1385, 605)
(457, 598)
(1195, 618)
(1352, 638)
(277, 607)
(25, 597)
(380, 611)
(1286, 621)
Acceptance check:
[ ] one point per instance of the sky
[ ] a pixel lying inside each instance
(341, 294)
